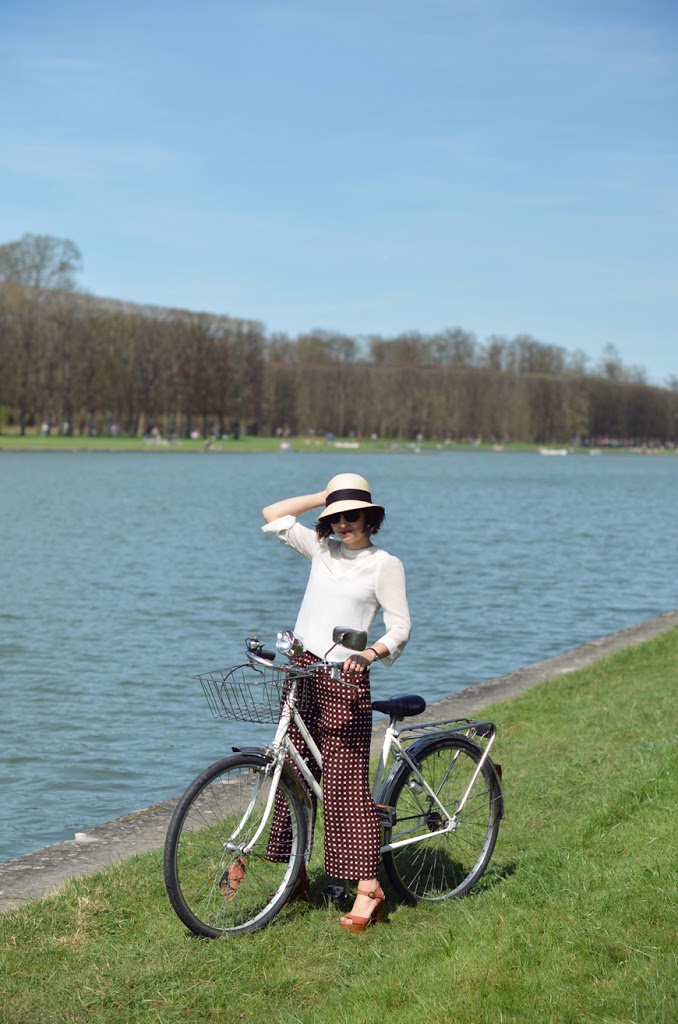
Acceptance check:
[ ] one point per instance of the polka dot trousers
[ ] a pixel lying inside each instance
(339, 718)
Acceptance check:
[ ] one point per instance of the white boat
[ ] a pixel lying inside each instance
(552, 451)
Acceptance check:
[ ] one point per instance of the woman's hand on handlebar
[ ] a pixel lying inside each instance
(360, 662)
(356, 663)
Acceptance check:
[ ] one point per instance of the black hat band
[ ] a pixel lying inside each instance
(348, 494)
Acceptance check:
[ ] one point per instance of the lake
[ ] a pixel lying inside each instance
(124, 574)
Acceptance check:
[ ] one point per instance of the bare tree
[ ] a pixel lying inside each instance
(37, 265)
(41, 262)
(611, 366)
(454, 347)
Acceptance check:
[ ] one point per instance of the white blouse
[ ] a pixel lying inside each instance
(346, 588)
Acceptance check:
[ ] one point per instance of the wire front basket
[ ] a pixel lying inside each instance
(250, 693)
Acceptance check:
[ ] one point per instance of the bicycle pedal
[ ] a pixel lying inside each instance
(335, 894)
(386, 815)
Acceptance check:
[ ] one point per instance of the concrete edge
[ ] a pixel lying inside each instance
(40, 872)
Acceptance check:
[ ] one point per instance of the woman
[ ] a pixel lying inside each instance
(350, 581)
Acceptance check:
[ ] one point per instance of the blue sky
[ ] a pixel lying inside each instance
(368, 167)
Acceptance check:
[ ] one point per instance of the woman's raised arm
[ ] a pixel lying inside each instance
(293, 506)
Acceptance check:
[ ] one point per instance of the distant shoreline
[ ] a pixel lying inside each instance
(294, 445)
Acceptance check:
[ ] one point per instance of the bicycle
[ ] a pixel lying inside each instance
(438, 795)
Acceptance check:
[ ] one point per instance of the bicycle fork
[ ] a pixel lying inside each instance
(277, 750)
(231, 843)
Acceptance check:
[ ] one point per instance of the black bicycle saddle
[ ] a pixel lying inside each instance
(405, 705)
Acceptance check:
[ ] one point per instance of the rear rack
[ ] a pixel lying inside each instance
(486, 730)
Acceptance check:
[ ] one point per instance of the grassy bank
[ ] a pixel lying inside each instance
(574, 923)
(35, 442)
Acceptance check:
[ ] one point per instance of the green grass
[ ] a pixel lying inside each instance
(101, 443)
(13, 441)
(574, 922)
(35, 442)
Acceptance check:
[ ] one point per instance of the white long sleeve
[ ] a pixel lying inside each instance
(346, 588)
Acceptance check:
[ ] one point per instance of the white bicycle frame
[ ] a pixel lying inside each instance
(282, 746)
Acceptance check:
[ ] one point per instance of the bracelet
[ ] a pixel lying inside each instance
(376, 653)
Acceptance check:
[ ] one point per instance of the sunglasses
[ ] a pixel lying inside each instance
(352, 516)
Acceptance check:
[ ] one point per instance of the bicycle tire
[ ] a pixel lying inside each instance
(449, 863)
(227, 802)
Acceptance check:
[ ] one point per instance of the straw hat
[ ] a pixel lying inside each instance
(346, 491)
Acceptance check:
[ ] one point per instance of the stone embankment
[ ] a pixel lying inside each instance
(38, 873)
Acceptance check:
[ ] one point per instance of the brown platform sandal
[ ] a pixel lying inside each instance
(232, 877)
(352, 923)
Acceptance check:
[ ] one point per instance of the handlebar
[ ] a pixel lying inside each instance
(256, 651)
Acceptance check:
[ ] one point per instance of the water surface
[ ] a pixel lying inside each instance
(123, 574)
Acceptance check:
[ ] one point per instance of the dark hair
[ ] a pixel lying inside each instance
(374, 517)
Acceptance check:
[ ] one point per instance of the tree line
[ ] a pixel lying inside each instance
(81, 364)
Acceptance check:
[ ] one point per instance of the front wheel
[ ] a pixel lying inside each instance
(216, 883)
(452, 847)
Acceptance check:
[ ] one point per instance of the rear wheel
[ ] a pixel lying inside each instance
(214, 887)
(455, 845)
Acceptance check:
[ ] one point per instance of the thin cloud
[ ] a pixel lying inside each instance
(85, 162)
